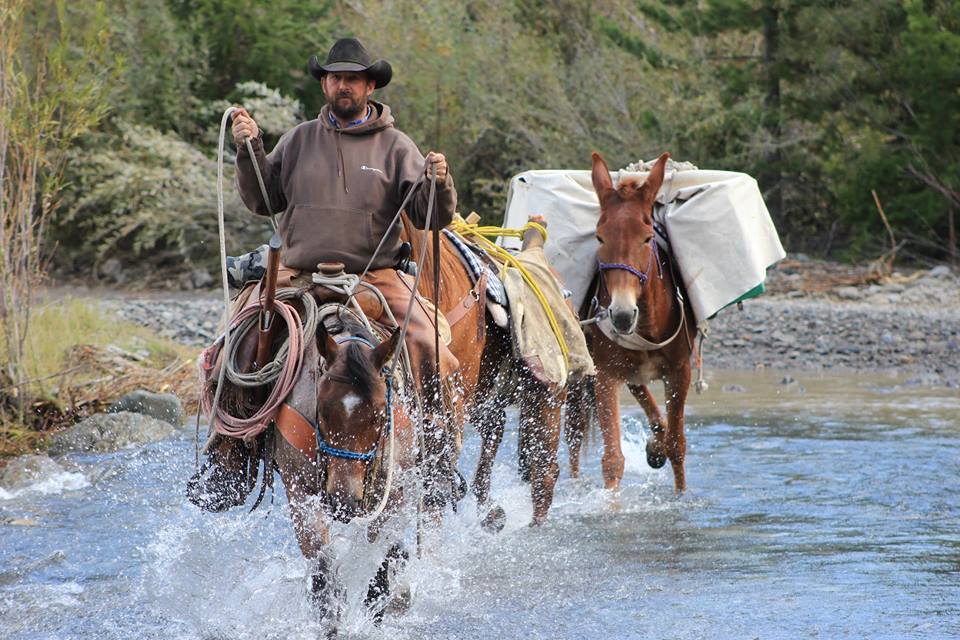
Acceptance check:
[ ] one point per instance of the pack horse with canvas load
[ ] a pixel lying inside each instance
(637, 293)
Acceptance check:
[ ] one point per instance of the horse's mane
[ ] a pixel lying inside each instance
(361, 372)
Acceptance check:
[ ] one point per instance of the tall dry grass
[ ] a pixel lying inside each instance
(77, 360)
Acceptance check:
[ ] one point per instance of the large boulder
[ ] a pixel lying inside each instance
(105, 432)
(23, 471)
(162, 406)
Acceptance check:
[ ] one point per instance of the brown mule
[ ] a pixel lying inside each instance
(484, 352)
(639, 298)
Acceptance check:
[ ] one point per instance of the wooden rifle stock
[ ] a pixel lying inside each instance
(267, 298)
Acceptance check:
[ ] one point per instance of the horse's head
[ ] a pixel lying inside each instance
(352, 414)
(627, 251)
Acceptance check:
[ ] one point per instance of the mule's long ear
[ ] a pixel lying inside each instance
(381, 354)
(601, 175)
(655, 179)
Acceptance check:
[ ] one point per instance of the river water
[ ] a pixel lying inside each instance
(826, 508)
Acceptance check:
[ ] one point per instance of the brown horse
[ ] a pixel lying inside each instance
(646, 332)
(341, 443)
(343, 450)
(345, 405)
(489, 380)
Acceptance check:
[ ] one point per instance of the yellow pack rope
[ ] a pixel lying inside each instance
(482, 235)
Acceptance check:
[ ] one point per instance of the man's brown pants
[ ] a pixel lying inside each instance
(397, 288)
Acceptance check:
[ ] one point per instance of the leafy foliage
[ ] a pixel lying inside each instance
(145, 198)
(822, 101)
(54, 70)
(274, 112)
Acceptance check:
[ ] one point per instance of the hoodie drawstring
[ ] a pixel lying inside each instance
(341, 166)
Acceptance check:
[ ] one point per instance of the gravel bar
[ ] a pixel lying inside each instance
(910, 327)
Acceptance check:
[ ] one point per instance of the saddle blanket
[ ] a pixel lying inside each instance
(476, 267)
(250, 267)
(719, 230)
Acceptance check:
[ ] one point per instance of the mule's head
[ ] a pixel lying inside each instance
(352, 415)
(625, 234)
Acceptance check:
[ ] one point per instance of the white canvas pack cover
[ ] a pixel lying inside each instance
(719, 229)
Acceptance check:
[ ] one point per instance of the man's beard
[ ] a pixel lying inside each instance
(348, 111)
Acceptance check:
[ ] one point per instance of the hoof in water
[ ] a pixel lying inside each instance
(400, 601)
(654, 458)
(495, 520)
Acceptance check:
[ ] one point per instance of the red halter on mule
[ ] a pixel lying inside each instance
(641, 317)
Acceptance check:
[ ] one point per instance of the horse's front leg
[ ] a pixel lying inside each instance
(441, 481)
(575, 424)
(386, 594)
(608, 413)
(490, 424)
(301, 482)
(656, 451)
(675, 389)
(540, 419)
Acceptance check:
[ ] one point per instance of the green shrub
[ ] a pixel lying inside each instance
(148, 199)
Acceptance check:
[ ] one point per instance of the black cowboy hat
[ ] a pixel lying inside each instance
(347, 54)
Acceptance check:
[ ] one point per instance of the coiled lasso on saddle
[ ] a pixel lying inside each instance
(281, 371)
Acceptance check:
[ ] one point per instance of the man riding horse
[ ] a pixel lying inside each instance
(337, 182)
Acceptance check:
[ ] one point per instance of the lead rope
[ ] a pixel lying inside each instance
(431, 198)
(700, 385)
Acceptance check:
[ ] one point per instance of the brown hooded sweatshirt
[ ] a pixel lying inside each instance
(335, 190)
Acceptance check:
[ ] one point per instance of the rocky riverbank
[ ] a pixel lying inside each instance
(811, 319)
(908, 322)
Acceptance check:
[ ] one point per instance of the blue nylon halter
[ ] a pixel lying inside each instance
(345, 453)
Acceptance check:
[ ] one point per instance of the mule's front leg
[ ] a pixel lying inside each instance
(540, 418)
(674, 439)
(608, 412)
(656, 450)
